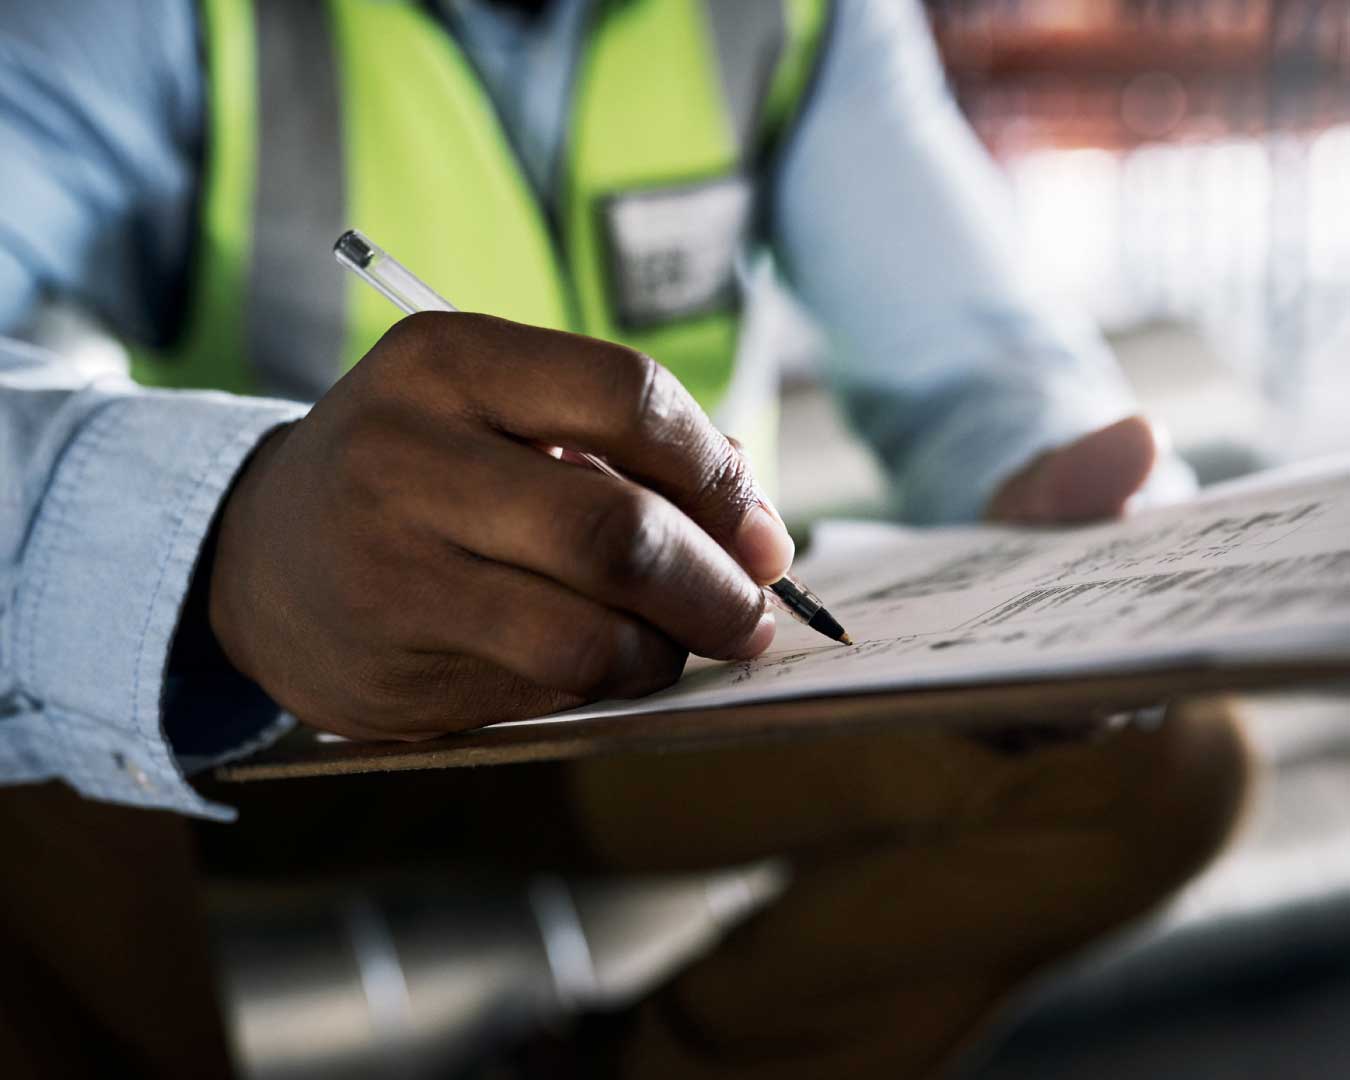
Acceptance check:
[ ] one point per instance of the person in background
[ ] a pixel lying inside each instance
(184, 569)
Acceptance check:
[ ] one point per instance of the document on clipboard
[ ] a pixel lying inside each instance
(1253, 572)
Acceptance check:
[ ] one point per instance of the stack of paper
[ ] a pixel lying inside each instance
(1253, 571)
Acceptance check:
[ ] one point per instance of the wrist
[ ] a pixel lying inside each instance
(226, 580)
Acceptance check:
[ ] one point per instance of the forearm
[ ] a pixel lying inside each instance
(108, 494)
(894, 228)
(977, 405)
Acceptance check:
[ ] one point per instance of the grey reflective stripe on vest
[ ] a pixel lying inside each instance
(295, 314)
(750, 36)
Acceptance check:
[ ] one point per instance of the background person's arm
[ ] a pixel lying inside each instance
(106, 491)
(893, 227)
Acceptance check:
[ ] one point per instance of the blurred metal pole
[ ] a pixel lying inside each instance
(419, 982)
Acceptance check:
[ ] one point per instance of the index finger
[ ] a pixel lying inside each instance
(586, 394)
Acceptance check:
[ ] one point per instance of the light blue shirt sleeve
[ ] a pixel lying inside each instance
(106, 490)
(892, 226)
(106, 494)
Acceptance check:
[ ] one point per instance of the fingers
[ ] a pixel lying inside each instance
(606, 539)
(540, 631)
(562, 389)
(1088, 479)
(405, 560)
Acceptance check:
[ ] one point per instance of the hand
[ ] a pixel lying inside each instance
(1085, 480)
(404, 561)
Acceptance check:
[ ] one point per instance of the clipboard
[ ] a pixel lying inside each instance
(1281, 536)
(1071, 702)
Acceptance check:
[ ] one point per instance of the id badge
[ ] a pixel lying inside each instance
(672, 251)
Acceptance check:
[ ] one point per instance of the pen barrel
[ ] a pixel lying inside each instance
(796, 599)
(399, 285)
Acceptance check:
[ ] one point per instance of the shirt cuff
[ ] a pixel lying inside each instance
(108, 563)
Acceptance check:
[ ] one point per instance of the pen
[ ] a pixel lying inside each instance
(410, 294)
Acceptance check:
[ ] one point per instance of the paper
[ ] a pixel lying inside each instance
(1259, 570)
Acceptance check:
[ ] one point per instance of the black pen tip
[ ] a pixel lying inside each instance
(823, 622)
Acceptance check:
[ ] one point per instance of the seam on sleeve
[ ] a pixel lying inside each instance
(149, 728)
(55, 524)
(76, 731)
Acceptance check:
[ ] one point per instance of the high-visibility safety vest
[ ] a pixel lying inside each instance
(329, 114)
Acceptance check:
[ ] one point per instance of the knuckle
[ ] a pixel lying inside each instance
(592, 658)
(624, 539)
(424, 353)
(419, 333)
(725, 488)
(615, 657)
(743, 620)
(738, 616)
(371, 481)
(644, 391)
(660, 667)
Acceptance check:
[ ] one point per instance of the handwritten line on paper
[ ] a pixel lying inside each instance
(1261, 569)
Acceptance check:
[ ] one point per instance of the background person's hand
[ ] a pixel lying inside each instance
(1085, 480)
(404, 562)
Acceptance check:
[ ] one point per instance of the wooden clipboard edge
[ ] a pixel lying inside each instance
(1062, 701)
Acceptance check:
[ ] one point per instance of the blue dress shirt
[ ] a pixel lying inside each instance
(887, 221)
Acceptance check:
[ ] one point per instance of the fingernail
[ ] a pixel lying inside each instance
(763, 545)
(761, 639)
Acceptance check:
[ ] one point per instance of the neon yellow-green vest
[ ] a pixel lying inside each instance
(328, 114)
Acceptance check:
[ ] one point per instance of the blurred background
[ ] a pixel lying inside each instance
(1181, 169)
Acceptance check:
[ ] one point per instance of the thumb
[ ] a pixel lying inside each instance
(1085, 480)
